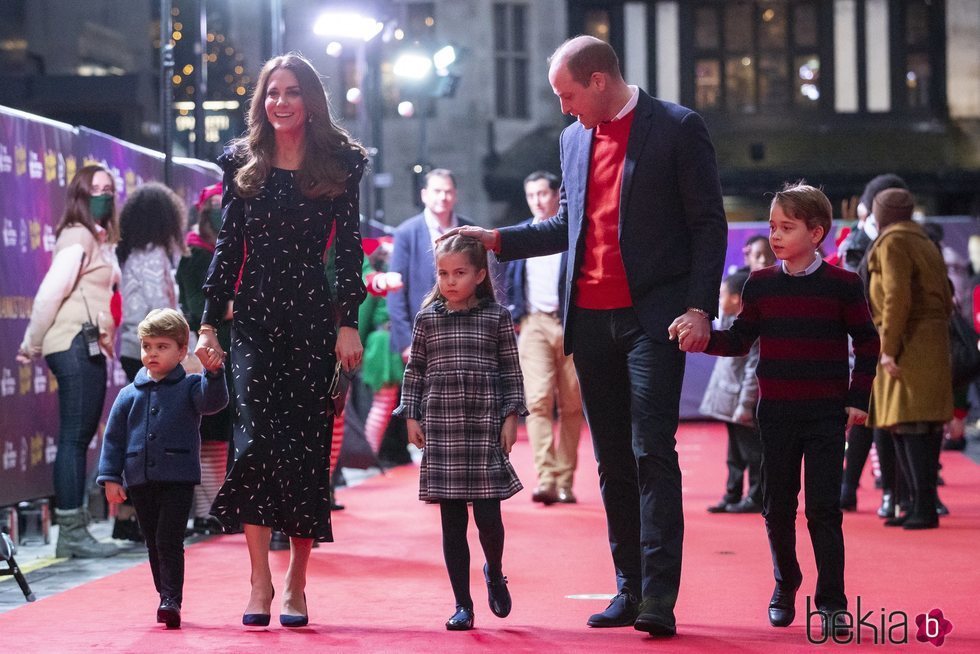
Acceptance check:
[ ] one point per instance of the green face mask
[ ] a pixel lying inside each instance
(100, 206)
(214, 217)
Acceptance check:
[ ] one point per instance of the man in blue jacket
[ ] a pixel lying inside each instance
(642, 219)
(152, 445)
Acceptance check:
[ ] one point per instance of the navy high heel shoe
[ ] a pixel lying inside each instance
(294, 621)
(258, 619)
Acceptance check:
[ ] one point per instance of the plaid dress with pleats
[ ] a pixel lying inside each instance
(462, 379)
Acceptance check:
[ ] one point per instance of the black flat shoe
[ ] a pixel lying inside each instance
(782, 606)
(497, 594)
(169, 613)
(293, 621)
(719, 507)
(653, 621)
(887, 508)
(834, 625)
(621, 612)
(462, 619)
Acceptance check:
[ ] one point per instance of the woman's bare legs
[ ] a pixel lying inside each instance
(294, 599)
(257, 537)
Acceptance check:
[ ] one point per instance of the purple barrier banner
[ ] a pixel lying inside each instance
(38, 158)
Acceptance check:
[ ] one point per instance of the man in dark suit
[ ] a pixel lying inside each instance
(641, 214)
(536, 300)
(412, 256)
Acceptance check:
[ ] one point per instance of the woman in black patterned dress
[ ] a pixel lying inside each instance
(462, 393)
(288, 183)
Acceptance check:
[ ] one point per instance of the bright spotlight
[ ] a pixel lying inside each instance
(413, 66)
(334, 48)
(354, 95)
(347, 25)
(444, 57)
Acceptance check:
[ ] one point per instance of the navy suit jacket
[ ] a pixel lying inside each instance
(516, 284)
(672, 228)
(412, 257)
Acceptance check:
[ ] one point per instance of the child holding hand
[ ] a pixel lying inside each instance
(152, 448)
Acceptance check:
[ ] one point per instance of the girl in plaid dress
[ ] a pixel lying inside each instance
(462, 394)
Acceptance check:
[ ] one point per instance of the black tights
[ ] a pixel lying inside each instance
(486, 514)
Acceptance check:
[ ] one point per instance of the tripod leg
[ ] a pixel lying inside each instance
(21, 580)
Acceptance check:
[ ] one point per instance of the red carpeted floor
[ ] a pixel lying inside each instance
(382, 586)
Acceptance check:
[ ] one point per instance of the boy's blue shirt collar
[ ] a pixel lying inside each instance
(143, 377)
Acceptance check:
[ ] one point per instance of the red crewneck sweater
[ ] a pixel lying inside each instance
(602, 278)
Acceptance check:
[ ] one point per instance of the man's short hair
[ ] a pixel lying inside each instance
(553, 182)
(807, 203)
(594, 56)
(165, 323)
(439, 172)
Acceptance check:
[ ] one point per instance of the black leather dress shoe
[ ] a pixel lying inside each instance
(621, 612)
(497, 594)
(887, 508)
(836, 621)
(782, 606)
(653, 620)
(746, 505)
(719, 507)
(169, 613)
(462, 619)
(566, 496)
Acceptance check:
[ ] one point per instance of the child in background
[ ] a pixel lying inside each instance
(802, 312)
(461, 396)
(731, 396)
(152, 445)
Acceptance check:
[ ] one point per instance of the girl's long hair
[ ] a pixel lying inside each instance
(152, 216)
(76, 205)
(328, 147)
(475, 253)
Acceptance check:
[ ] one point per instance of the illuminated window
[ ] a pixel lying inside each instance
(751, 56)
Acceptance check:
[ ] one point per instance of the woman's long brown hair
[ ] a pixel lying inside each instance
(77, 209)
(325, 170)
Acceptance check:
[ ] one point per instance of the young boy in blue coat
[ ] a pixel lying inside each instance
(152, 448)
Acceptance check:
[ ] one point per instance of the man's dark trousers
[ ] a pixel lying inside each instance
(631, 388)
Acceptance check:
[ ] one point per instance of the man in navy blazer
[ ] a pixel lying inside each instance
(641, 214)
(412, 254)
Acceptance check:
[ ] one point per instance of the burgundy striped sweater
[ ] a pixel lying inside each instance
(802, 324)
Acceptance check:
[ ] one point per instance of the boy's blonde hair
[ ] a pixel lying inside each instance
(807, 203)
(165, 323)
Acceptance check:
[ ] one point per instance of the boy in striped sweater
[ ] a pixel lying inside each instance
(802, 310)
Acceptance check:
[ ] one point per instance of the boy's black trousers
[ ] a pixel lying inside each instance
(819, 446)
(162, 510)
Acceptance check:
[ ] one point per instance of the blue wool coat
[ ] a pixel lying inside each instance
(154, 428)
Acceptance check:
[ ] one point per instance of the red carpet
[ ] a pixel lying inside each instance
(383, 588)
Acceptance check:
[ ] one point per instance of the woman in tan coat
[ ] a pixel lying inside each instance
(911, 303)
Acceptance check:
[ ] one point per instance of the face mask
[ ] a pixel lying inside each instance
(214, 217)
(100, 206)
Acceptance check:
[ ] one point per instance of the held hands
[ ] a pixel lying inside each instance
(349, 349)
(691, 331)
(415, 435)
(508, 433)
(855, 417)
(888, 363)
(114, 493)
(209, 352)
